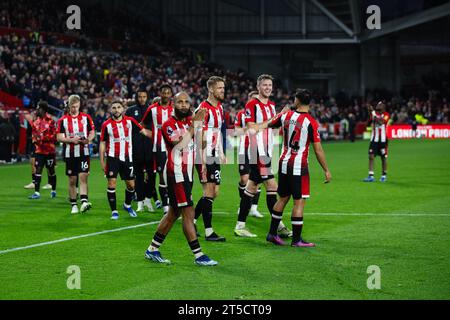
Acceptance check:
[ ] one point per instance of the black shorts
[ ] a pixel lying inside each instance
(114, 167)
(159, 161)
(212, 174)
(180, 193)
(45, 160)
(379, 149)
(75, 166)
(244, 164)
(33, 151)
(292, 185)
(261, 172)
(143, 167)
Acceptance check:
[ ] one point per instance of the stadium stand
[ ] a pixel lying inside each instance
(39, 61)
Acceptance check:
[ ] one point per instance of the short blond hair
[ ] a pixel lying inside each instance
(263, 77)
(73, 99)
(213, 81)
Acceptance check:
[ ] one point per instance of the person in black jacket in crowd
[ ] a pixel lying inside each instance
(7, 134)
(142, 156)
(351, 126)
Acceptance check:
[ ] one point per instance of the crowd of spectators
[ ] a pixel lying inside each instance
(50, 16)
(33, 71)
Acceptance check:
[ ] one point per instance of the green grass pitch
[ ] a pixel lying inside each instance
(402, 226)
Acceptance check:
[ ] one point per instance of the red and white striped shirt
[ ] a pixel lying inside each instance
(299, 130)
(154, 118)
(258, 112)
(117, 135)
(180, 162)
(243, 139)
(212, 126)
(379, 126)
(80, 126)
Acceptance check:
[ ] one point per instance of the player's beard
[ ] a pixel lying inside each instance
(181, 115)
(220, 98)
(116, 117)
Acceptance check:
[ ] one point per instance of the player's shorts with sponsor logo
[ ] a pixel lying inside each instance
(293, 185)
(262, 171)
(244, 164)
(159, 161)
(115, 167)
(180, 193)
(212, 174)
(45, 160)
(378, 149)
(77, 165)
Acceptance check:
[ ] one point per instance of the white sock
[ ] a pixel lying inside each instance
(152, 248)
(166, 209)
(115, 212)
(281, 225)
(127, 206)
(209, 231)
(140, 204)
(195, 221)
(240, 225)
(254, 207)
(198, 255)
(37, 193)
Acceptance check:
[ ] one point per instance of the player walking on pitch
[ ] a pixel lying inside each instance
(76, 131)
(44, 138)
(300, 129)
(178, 133)
(116, 144)
(378, 142)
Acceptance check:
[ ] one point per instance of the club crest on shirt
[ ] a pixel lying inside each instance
(247, 113)
(169, 131)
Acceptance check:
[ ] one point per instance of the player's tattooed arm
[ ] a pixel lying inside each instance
(275, 122)
(320, 155)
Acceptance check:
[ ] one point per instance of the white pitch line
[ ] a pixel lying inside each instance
(78, 237)
(363, 214)
(227, 213)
